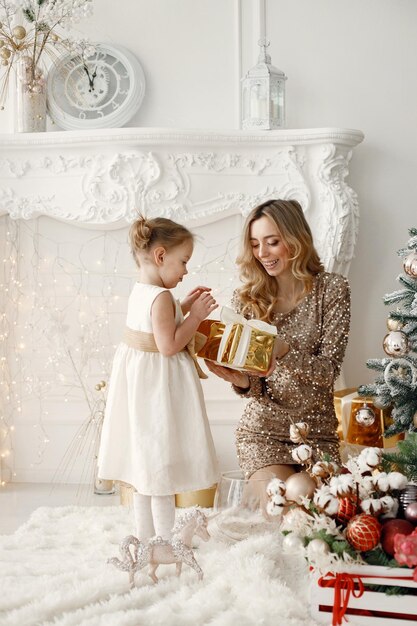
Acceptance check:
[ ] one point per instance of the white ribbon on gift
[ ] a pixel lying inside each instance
(229, 318)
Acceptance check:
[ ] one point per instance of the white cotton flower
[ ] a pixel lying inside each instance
(299, 432)
(397, 480)
(324, 469)
(390, 507)
(325, 500)
(381, 482)
(276, 505)
(342, 485)
(276, 486)
(302, 453)
(369, 458)
(366, 487)
(371, 506)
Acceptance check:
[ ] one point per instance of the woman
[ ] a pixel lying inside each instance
(284, 283)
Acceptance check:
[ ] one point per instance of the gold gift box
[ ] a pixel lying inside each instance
(347, 403)
(200, 497)
(225, 350)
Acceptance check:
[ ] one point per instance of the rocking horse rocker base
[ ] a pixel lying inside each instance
(159, 551)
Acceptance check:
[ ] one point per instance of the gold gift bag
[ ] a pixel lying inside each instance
(238, 343)
(368, 423)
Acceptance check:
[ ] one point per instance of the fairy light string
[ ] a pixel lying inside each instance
(63, 307)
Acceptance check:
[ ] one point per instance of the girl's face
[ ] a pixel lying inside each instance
(174, 266)
(268, 246)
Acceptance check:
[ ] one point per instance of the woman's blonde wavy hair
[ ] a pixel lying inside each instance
(144, 233)
(259, 291)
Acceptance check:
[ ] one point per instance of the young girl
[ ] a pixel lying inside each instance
(156, 435)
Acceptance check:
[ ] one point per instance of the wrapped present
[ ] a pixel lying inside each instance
(361, 423)
(356, 593)
(238, 343)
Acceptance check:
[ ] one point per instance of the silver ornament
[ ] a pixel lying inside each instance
(410, 264)
(396, 343)
(365, 416)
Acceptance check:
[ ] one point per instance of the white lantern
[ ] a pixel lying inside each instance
(263, 94)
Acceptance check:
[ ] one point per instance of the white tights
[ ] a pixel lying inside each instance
(154, 515)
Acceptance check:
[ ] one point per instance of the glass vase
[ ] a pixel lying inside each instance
(30, 110)
(240, 507)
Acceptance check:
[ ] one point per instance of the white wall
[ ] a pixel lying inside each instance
(349, 63)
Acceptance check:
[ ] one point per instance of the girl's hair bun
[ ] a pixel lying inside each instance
(141, 233)
(146, 232)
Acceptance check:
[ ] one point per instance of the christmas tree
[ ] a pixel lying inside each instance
(396, 383)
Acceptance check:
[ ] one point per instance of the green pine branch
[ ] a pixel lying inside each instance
(405, 459)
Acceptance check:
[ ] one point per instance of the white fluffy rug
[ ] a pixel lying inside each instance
(53, 570)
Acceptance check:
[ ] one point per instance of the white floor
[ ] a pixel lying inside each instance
(19, 500)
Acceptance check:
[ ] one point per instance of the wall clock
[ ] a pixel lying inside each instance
(103, 91)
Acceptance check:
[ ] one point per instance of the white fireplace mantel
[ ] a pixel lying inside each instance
(103, 178)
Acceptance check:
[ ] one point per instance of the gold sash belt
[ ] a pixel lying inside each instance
(145, 342)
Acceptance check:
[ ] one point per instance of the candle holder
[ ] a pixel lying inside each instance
(263, 94)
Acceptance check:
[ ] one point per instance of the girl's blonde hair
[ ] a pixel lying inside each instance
(144, 233)
(259, 291)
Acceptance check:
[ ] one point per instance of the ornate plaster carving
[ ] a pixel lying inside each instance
(104, 178)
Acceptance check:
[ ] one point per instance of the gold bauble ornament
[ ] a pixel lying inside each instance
(103, 383)
(396, 343)
(5, 53)
(410, 264)
(394, 324)
(98, 387)
(299, 484)
(19, 32)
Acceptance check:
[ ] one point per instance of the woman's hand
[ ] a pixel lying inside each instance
(240, 379)
(280, 349)
(190, 298)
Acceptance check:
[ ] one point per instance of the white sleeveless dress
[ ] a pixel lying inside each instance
(156, 434)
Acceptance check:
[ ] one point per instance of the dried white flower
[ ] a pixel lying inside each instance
(302, 453)
(366, 487)
(276, 505)
(390, 506)
(397, 480)
(381, 482)
(369, 458)
(299, 432)
(342, 485)
(372, 506)
(276, 486)
(324, 469)
(325, 500)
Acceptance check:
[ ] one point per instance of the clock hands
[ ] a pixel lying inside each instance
(90, 77)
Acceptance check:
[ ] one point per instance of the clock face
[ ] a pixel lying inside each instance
(102, 91)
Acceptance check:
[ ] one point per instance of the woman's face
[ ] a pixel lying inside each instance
(268, 247)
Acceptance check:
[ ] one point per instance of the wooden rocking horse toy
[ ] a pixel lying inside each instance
(159, 551)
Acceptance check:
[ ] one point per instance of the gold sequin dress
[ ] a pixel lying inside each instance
(301, 386)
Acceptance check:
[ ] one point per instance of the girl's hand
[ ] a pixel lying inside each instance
(240, 379)
(202, 306)
(192, 297)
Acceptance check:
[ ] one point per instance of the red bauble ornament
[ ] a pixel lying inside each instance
(391, 528)
(363, 532)
(348, 507)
